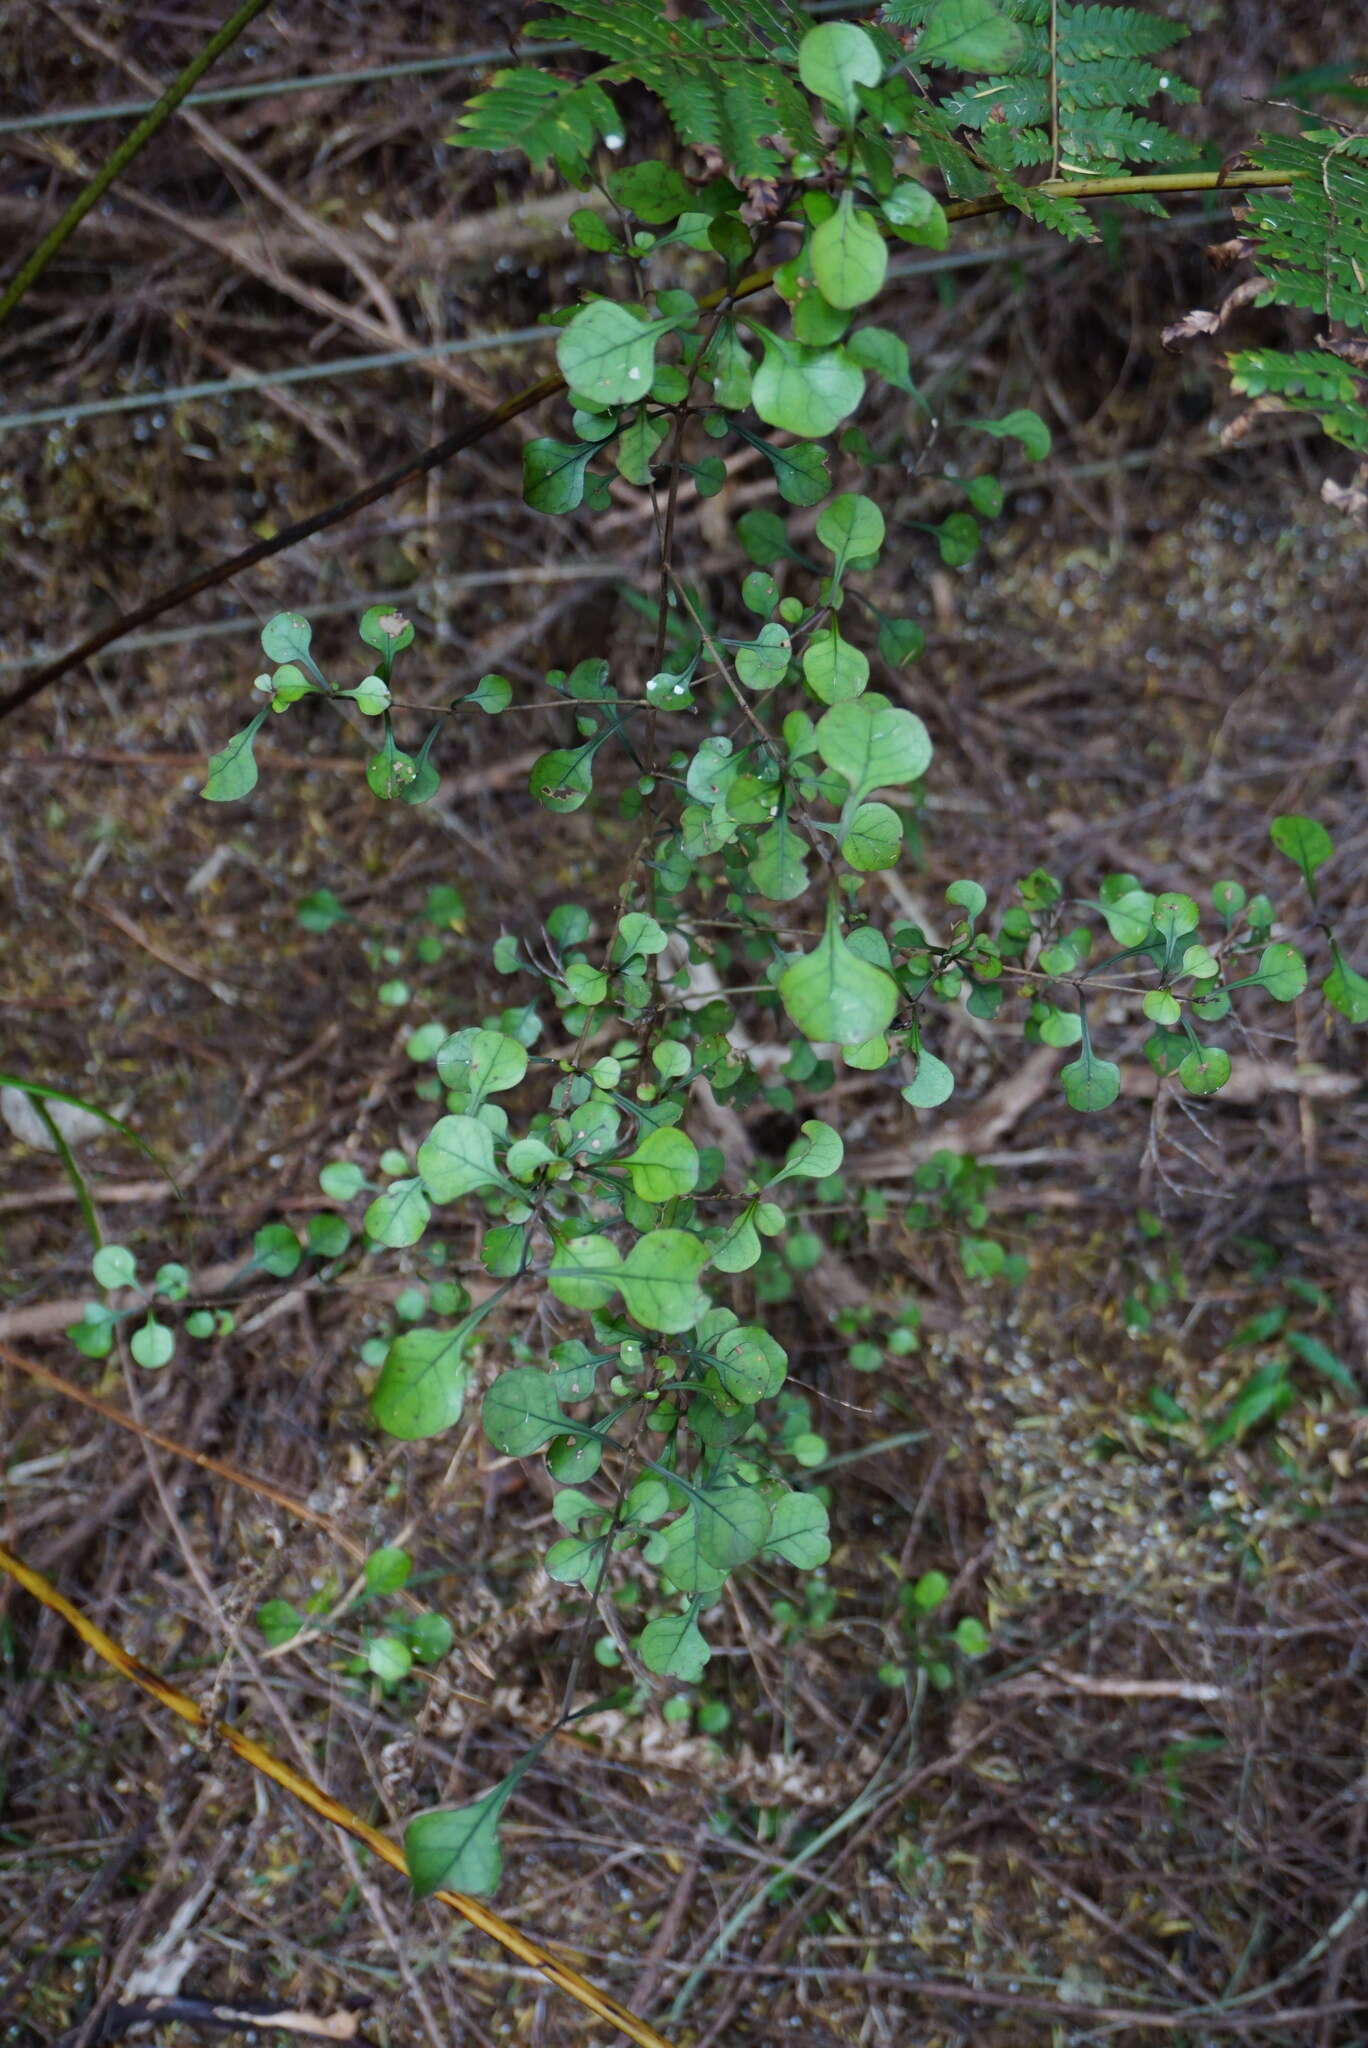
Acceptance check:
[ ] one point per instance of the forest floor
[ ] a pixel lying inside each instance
(1140, 1815)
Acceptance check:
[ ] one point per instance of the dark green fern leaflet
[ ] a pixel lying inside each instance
(542, 116)
(1311, 244)
(1103, 71)
(1307, 380)
(721, 82)
(1312, 236)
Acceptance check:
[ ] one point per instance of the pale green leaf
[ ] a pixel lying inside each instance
(422, 1385)
(457, 1158)
(834, 996)
(849, 256)
(659, 1280)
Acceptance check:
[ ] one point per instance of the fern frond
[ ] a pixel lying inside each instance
(778, 23)
(621, 30)
(693, 101)
(1118, 82)
(1113, 135)
(747, 115)
(540, 115)
(1102, 72)
(1064, 216)
(1306, 380)
(1312, 235)
(1099, 34)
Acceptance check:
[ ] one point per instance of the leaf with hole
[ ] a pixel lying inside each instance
(561, 780)
(1204, 1070)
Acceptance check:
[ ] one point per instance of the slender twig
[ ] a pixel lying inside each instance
(312, 1796)
(124, 155)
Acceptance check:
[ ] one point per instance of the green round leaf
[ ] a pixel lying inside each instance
(1024, 426)
(873, 839)
(798, 1531)
(849, 256)
(493, 694)
(1303, 840)
(276, 1250)
(522, 1412)
(833, 670)
(1090, 1083)
(832, 995)
(387, 1570)
(286, 637)
(458, 1850)
(673, 1647)
(850, 526)
(399, 1216)
(114, 1266)
(608, 354)
(233, 770)
(1205, 1070)
(153, 1345)
(874, 745)
(457, 1158)
(804, 391)
(931, 1085)
(659, 1280)
(915, 215)
(664, 1166)
(835, 58)
(1282, 972)
(422, 1385)
(764, 661)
